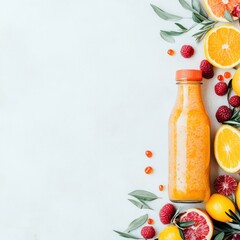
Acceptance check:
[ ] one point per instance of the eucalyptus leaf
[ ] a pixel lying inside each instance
(181, 233)
(181, 26)
(203, 12)
(185, 5)
(145, 205)
(140, 205)
(126, 235)
(166, 37)
(188, 7)
(143, 195)
(138, 222)
(186, 224)
(164, 15)
(220, 236)
(172, 33)
(195, 18)
(196, 5)
(228, 16)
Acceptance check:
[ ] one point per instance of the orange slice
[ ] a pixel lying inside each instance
(226, 148)
(216, 8)
(221, 46)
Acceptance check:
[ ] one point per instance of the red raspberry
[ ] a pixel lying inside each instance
(223, 114)
(166, 213)
(207, 69)
(235, 236)
(221, 88)
(236, 11)
(234, 101)
(148, 232)
(187, 51)
(225, 185)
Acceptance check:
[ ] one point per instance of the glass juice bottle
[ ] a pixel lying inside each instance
(189, 142)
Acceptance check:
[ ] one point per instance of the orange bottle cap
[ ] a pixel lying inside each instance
(189, 75)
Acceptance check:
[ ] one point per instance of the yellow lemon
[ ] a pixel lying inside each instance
(236, 82)
(217, 205)
(221, 46)
(226, 148)
(169, 233)
(238, 195)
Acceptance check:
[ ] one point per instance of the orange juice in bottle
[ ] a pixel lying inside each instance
(189, 142)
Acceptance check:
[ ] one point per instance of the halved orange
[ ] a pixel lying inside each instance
(227, 148)
(216, 8)
(221, 46)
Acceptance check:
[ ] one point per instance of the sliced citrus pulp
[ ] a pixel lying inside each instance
(216, 8)
(203, 227)
(226, 148)
(221, 46)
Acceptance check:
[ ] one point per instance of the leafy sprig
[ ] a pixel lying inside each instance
(141, 196)
(199, 16)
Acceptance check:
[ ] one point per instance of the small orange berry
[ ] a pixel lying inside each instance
(148, 170)
(171, 52)
(161, 187)
(227, 75)
(150, 221)
(220, 77)
(148, 153)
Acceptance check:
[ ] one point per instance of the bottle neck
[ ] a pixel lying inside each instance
(189, 95)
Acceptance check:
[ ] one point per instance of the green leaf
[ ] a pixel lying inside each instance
(208, 22)
(188, 7)
(138, 222)
(186, 224)
(145, 205)
(181, 26)
(166, 37)
(143, 195)
(196, 5)
(230, 122)
(220, 236)
(126, 235)
(181, 233)
(185, 5)
(228, 16)
(229, 89)
(164, 15)
(195, 18)
(172, 33)
(230, 84)
(236, 113)
(140, 205)
(203, 12)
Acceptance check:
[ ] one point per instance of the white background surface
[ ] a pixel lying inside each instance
(85, 88)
